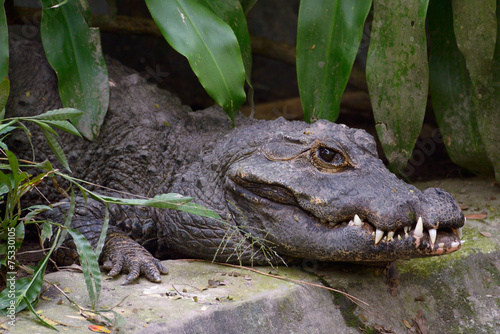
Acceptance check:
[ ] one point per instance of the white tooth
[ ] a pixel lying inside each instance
(378, 236)
(399, 237)
(357, 221)
(459, 232)
(441, 245)
(455, 244)
(462, 242)
(406, 235)
(433, 235)
(390, 235)
(419, 229)
(331, 224)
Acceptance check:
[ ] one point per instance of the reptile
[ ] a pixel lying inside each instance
(283, 189)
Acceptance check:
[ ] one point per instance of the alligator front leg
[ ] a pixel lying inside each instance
(122, 254)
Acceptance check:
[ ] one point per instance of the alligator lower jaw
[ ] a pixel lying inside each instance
(430, 242)
(411, 240)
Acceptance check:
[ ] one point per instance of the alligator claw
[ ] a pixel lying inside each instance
(122, 254)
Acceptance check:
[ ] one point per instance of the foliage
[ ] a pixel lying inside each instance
(462, 74)
(15, 182)
(467, 96)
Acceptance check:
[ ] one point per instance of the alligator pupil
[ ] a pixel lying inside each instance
(329, 155)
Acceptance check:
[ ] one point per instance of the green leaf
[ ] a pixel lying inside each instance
(89, 264)
(56, 148)
(60, 114)
(20, 233)
(67, 219)
(7, 125)
(74, 51)
(104, 232)
(4, 95)
(328, 36)
(4, 45)
(208, 43)
(46, 232)
(14, 168)
(397, 74)
(451, 92)
(231, 12)
(65, 126)
(6, 183)
(167, 201)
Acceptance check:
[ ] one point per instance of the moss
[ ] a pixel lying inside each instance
(474, 243)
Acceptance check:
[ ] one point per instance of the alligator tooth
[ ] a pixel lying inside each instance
(419, 229)
(357, 221)
(332, 224)
(441, 245)
(433, 235)
(462, 242)
(459, 232)
(399, 237)
(455, 244)
(406, 229)
(390, 235)
(378, 236)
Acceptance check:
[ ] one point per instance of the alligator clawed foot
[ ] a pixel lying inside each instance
(122, 254)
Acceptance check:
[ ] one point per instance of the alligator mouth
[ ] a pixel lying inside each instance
(429, 241)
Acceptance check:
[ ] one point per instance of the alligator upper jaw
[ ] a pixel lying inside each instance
(372, 244)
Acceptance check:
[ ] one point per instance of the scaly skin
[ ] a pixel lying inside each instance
(314, 191)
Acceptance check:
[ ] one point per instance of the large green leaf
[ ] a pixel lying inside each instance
(231, 12)
(74, 51)
(451, 92)
(328, 36)
(397, 74)
(488, 111)
(476, 31)
(208, 43)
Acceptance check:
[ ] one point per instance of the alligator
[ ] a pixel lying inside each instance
(283, 189)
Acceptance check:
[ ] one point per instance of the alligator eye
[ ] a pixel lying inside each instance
(329, 160)
(331, 156)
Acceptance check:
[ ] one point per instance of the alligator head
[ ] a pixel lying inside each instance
(320, 191)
